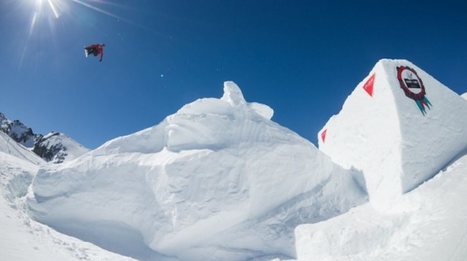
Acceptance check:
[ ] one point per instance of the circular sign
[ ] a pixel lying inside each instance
(410, 83)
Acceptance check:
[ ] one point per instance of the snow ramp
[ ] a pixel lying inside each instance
(400, 126)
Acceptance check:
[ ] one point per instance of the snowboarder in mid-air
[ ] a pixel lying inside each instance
(95, 49)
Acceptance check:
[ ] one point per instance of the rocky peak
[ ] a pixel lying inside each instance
(54, 147)
(18, 131)
(2, 117)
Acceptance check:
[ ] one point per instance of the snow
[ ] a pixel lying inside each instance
(388, 138)
(217, 180)
(426, 224)
(22, 238)
(10, 147)
(58, 147)
(18, 130)
(54, 147)
(414, 167)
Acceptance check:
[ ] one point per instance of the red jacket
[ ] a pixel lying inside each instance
(100, 50)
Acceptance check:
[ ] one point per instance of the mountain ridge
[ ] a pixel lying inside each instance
(53, 147)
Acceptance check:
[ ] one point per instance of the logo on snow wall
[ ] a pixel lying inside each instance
(413, 87)
(323, 135)
(368, 86)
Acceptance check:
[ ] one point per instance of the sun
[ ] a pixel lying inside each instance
(49, 12)
(53, 6)
(57, 7)
(44, 8)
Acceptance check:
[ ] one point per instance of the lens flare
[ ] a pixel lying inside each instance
(45, 15)
(53, 8)
(56, 6)
(107, 13)
(95, 8)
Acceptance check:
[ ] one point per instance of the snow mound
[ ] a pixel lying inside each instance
(428, 224)
(23, 239)
(232, 94)
(397, 143)
(218, 180)
(464, 95)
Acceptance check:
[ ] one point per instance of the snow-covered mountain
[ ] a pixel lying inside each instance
(18, 131)
(55, 147)
(218, 180)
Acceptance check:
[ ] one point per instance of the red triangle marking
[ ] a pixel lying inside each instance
(323, 135)
(368, 86)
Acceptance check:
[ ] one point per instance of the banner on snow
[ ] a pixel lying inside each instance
(413, 87)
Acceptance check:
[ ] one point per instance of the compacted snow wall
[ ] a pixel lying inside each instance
(218, 180)
(383, 132)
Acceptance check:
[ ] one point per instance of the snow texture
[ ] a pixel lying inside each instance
(398, 148)
(427, 224)
(11, 147)
(218, 180)
(388, 138)
(23, 239)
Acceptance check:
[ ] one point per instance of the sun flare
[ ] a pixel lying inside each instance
(52, 6)
(56, 7)
(44, 14)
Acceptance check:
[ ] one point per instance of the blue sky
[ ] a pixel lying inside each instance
(302, 58)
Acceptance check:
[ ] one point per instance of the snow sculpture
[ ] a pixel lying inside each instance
(387, 137)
